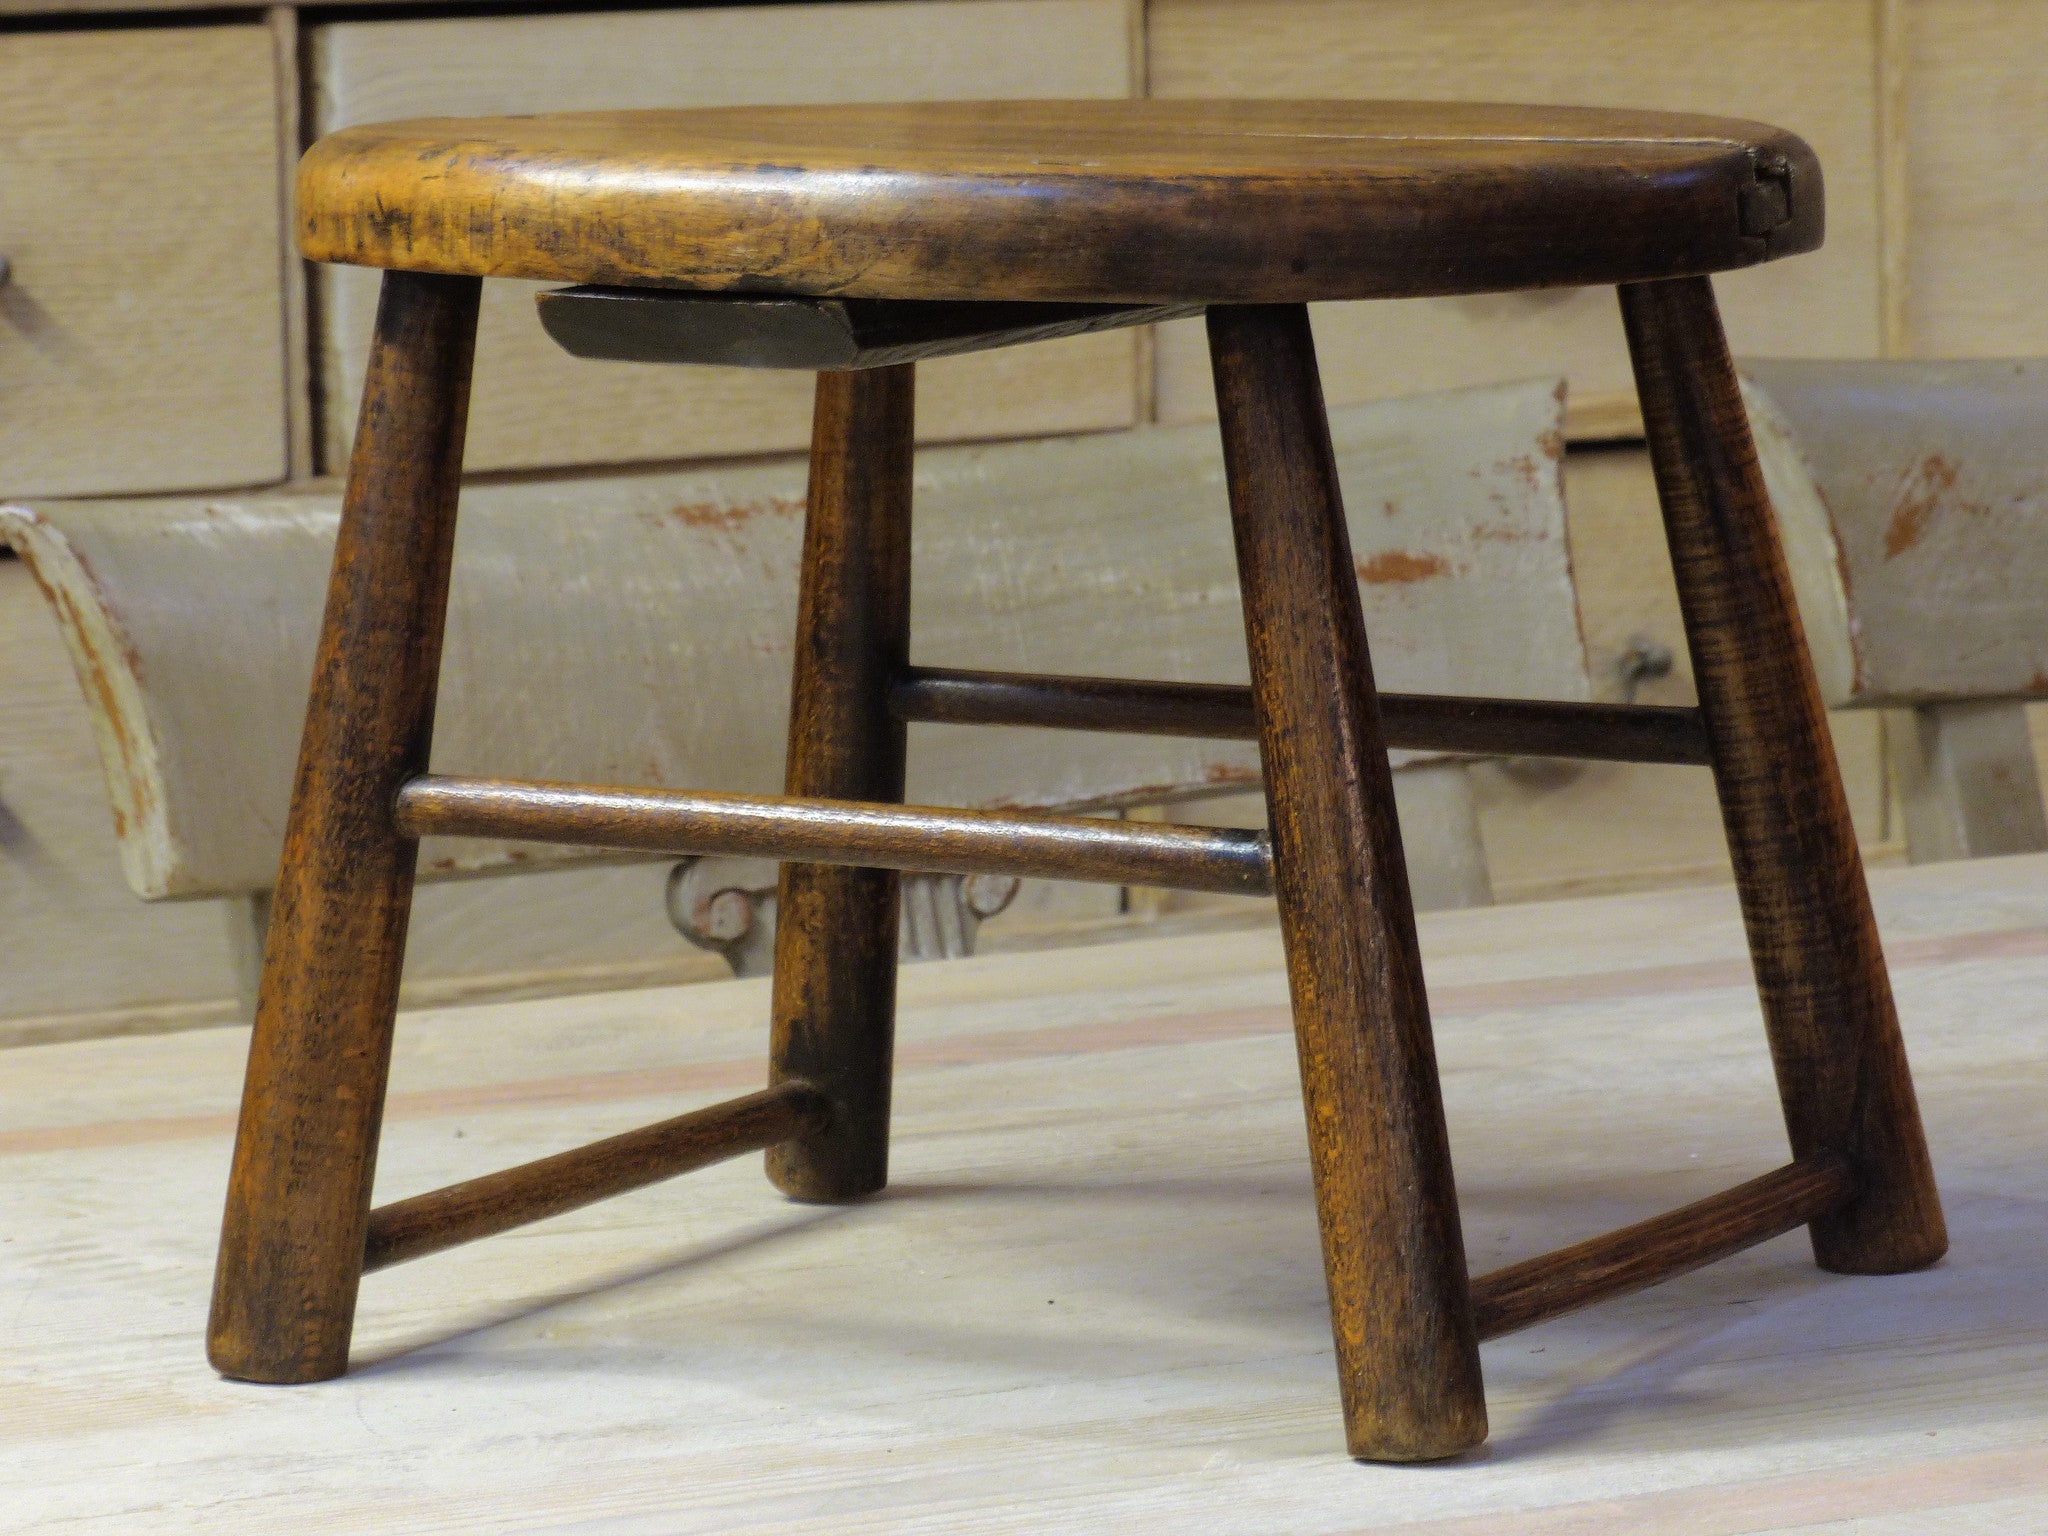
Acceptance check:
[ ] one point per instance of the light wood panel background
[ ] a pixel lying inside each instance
(1974, 159)
(141, 325)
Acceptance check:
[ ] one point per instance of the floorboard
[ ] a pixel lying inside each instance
(1091, 1300)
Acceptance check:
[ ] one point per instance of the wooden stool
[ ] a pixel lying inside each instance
(855, 241)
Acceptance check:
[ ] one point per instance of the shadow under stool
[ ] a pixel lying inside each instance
(856, 241)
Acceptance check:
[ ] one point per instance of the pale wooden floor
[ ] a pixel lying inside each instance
(1091, 1301)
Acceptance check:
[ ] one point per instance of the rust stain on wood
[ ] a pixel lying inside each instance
(1918, 498)
(731, 515)
(1398, 567)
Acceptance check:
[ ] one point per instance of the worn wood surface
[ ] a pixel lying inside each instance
(1407, 1358)
(141, 334)
(106, 964)
(1910, 495)
(550, 1186)
(1474, 548)
(306, 1147)
(1092, 1300)
(1132, 201)
(847, 832)
(1917, 547)
(1528, 728)
(1819, 965)
(651, 325)
(591, 603)
(833, 1019)
(537, 407)
(1649, 1252)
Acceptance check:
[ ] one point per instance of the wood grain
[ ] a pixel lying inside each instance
(1132, 201)
(1420, 722)
(1820, 968)
(141, 344)
(858, 834)
(1656, 1250)
(568, 1181)
(537, 407)
(306, 1146)
(1407, 1357)
(833, 1013)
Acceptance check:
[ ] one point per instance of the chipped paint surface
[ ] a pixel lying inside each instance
(638, 629)
(1931, 480)
(1919, 497)
(1813, 554)
(1394, 567)
(730, 516)
(109, 673)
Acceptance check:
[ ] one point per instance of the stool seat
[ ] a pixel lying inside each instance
(1086, 201)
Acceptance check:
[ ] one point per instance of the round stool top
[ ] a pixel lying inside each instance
(1138, 201)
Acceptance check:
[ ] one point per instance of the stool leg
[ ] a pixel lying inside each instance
(291, 1248)
(1407, 1355)
(1827, 1000)
(835, 937)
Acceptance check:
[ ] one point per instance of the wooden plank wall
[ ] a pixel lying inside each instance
(141, 342)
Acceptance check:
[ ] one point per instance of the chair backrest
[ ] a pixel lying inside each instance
(637, 630)
(1913, 498)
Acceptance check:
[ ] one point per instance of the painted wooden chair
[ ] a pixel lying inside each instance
(571, 605)
(856, 240)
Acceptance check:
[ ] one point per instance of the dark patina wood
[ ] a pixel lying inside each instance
(1634, 1257)
(548, 1186)
(834, 1011)
(1090, 202)
(1628, 733)
(916, 230)
(305, 1151)
(1827, 1000)
(863, 834)
(742, 330)
(1407, 1357)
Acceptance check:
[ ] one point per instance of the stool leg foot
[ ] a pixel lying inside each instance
(835, 940)
(1834, 1035)
(291, 1249)
(1407, 1355)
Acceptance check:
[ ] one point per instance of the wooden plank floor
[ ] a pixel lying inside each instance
(1091, 1301)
